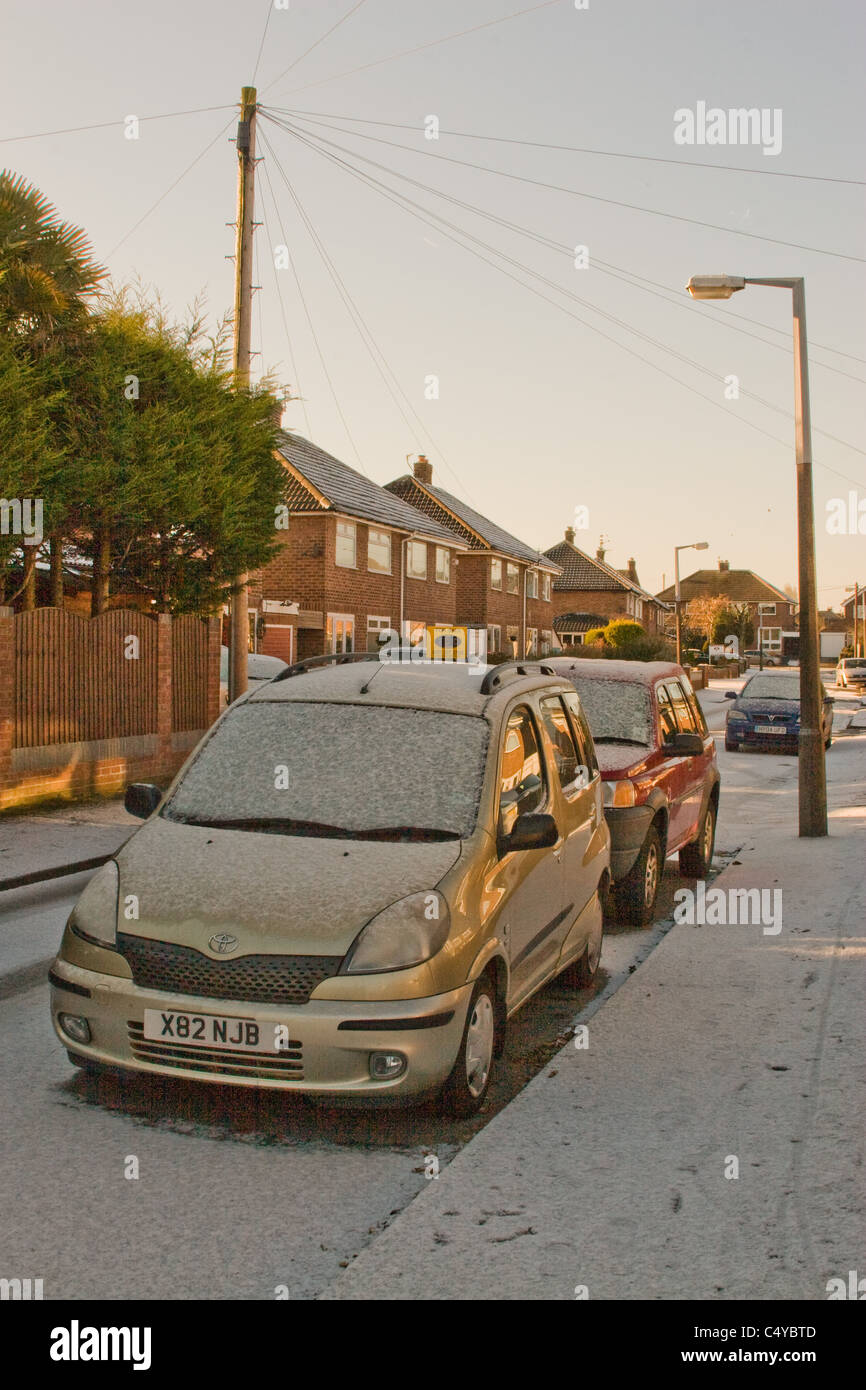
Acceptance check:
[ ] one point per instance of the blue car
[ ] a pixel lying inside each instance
(766, 713)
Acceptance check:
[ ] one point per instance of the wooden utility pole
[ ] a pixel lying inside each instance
(246, 144)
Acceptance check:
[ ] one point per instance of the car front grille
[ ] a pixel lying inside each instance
(258, 979)
(287, 1064)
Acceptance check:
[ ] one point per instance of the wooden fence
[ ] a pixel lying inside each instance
(86, 704)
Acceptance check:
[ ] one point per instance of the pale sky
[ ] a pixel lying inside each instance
(537, 414)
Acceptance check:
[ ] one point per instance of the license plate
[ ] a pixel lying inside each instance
(770, 729)
(210, 1030)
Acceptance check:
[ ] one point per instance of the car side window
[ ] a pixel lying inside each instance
(522, 787)
(583, 737)
(683, 714)
(565, 754)
(667, 719)
(694, 705)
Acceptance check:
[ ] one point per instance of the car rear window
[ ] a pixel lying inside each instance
(354, 768)
(618, 711)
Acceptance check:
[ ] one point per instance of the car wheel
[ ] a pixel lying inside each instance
(696, 858)
(466, 1088)
(635, 895)
(731, 747)
(828, 740)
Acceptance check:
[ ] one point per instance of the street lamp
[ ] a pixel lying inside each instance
(813, 773)
(693, 545)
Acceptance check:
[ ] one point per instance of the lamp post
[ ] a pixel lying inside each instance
(693, 545)
(813, 774)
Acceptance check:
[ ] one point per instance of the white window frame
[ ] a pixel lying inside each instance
(493, 584)
(545, 587)
(494, 637)
(384, 536)
(546, 641)
(532, 583)
(442, 551)
(766, 610)
(331, 639)
(512, 571)
(349, 532)
(377, 624)
(412, 573)
(767, 642)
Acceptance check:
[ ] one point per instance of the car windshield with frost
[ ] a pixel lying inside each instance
(618, 711)
(771, 688)
(337, 770)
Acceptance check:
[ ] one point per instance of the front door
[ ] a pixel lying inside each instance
(529, 882)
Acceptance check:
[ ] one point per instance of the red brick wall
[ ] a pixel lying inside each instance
(477, 602)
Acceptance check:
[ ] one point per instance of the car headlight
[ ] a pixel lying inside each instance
(736, 717)
(94, 916)
(406, 933)
(617, 794)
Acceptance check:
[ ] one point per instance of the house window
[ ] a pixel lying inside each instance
(771, 638)
(766, 610)
(494, 639)
(546, 642)
(638, 608)
(532, 584)
(496, 574)
(416, 560)
(379, 551)
(347, 545)
(340, 632)
(545, 587)
(443, 565)
(376, 629)
(512, 579)
(415, 633)
(531, 641)
(512, 635)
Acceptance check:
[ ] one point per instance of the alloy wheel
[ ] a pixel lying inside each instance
(479, 1044)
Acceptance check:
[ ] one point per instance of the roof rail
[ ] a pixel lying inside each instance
(310, 663)
(512, 671)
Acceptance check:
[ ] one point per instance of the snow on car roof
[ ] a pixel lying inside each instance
(450, 687)
(638, 672)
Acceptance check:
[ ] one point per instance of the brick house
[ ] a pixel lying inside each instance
(504, 587)
(355, 562)
(589, 593)
(855, 620)
(772, 611)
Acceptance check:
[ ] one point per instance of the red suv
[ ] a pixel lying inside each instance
(659, 775)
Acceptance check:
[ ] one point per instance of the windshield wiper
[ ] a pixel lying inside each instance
(618, 738)
(278, 825)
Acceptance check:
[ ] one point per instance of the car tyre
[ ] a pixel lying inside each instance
(465, 1090)
(696, 858)
(635, 895)
(731, 747)
(582, 973)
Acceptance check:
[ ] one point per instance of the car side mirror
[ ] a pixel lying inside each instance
(142, 799)
(730, 694)
(685, 742)
(533, 830)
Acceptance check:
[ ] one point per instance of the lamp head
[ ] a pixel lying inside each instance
(714, 286)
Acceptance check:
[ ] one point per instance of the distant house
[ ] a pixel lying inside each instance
(772, 611)
(857, 639)
(503, 585)
(589, 588)
(356, 561)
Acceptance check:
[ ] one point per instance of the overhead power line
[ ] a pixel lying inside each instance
(105, 125)
(425, 215)
(670, 295)
(433, 43)
(593, 197)
(579, 149)
(306, 51)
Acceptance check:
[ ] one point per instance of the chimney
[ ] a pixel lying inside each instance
(724, 566)
(569, 534)
(423, 469)
(632, 570)
(599, 554)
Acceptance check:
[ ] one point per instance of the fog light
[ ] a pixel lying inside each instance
(74, 1027)
(384, 1066)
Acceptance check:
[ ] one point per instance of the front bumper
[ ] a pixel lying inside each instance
(748, 737)
(328, 1050)
(628, 827)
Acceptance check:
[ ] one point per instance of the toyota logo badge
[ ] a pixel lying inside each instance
(223, 943)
